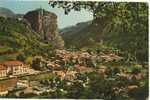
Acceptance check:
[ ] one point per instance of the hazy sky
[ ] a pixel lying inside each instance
(22, 6)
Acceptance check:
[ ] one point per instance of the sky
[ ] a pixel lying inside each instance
(23, 6)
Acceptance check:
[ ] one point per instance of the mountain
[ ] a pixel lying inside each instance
(34, 33)
(4, 12)
(19, 37)
(83, 34)
(45, 24)
(16, 38)
(73, 35)
(103, 32)
(76, 28)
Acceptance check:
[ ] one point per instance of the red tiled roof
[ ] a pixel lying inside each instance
(2, 67)
(15, 62)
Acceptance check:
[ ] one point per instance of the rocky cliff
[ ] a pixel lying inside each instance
(45, 24)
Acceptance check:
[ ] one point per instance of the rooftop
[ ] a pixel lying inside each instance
(15, 62)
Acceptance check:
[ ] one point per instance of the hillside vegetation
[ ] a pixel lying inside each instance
(17, 38)
(122, 26)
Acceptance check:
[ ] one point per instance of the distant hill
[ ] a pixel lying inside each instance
(83, 34)
(19, 15)
(4, 12)
(104, 32)
(73, 35)
(76, 28)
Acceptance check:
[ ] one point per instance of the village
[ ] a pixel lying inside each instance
(64, 64)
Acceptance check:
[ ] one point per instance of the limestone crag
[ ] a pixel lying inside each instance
(43, 22)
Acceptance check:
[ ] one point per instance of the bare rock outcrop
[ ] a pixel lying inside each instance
(45, 24)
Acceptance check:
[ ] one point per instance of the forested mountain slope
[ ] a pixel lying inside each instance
(104, 32)
(29, 34)
(16, 37)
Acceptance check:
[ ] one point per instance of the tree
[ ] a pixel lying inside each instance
(37, 63)
(128, 21)
(29, 60)
(97, 8)
(21, 57)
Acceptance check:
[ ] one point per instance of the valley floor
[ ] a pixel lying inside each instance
(83, 75)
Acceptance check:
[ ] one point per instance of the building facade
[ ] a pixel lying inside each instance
(12, 68)
(3, 71)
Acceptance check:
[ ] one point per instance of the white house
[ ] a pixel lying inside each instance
(15, 67)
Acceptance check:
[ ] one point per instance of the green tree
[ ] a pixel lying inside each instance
(37, 63)
(128, 21)
(21, 57)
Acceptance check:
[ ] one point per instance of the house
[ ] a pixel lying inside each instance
(3, 71)
(53, 66)
(15, 67)
(60, 73)
(82, 69)
(70, 75)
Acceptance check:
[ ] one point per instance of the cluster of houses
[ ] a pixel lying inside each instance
(66, 58)
(82, 61)
(80, 56)
(12, 68)
(73, 61)
(79, 61)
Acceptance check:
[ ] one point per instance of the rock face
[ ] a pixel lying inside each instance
(45, 24)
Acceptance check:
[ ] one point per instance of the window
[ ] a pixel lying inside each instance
(16, 68)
